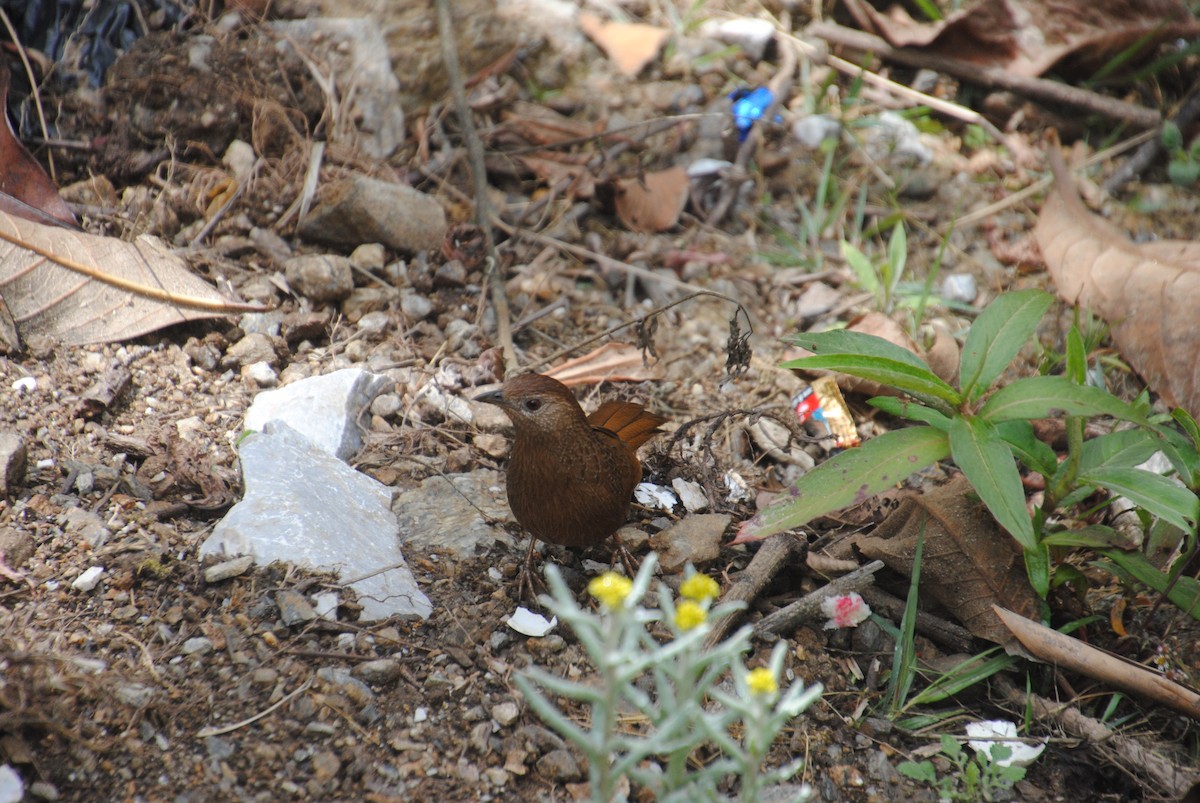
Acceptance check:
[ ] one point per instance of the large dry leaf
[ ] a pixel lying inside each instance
(1070, 653)
(78, 288)
(1148, 293)
(969, 564)
(1028, 37)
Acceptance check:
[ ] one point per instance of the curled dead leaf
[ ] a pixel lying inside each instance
(653, 202)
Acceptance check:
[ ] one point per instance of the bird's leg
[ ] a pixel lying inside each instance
(620, 552)
(527, 581)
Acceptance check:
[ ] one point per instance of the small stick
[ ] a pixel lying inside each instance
(1039, 89)
(947, 634)
(808, 607)
(483, 212)
(770, 559)
(204, 733)
(1146, 155)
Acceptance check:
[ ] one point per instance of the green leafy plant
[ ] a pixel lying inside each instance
(982, 776)
(674, 685)
(1184, 167)
(987, 432)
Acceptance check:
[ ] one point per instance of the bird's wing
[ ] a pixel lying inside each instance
(631, 423)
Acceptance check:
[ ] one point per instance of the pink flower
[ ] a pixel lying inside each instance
(846, 610)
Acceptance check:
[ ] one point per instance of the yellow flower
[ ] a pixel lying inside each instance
(611, 589)
(700, 587)
(761, 681)
(689, 614)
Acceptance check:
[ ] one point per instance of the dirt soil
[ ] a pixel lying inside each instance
(156, 685)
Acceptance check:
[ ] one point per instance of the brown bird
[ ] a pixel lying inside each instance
(570, 476)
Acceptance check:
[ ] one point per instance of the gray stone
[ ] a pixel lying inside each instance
(414, 305)
(14, 460)
(321, 277)
(254, 347)
(368, 256)
(197, 646)
(324, 408)
(378, 672)
(294, 608)
(306, 507)
(360, 210)
(694, 539)
(506, 713)
(559, 765)
(435, 515)
(227, 569)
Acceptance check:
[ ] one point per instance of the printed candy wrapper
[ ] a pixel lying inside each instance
(822, 402)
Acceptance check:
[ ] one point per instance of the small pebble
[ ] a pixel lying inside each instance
(227, 569)
(89, 579)
(505, 713)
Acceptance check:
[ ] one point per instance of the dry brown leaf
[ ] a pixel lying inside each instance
(969, 563)
(630, 46)
(78, 288)
(652, 202)
(1028, 37)
(1148, 293)
(1070, 653)
(612, 362)
(25, 189)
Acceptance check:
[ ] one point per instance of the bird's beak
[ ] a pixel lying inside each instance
(492, 397)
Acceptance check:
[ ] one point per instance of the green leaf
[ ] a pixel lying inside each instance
(1037, 569)
(1184, 592)
(1185, 420)
(918, 382)
(904, 408)
(848, 479)
(841, 341)
(1052, 396)
(1149, 491)
(1076, 356)
(1125, 448)
(897, 256)
(987, 461)
(1172, 137)
(1028, 448)
(864, 271)
(997, 336)
(1094, 536)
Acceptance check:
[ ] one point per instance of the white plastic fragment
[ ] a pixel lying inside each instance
(25, 384)
(749, 33)
(651, 495)
(89, 579)
(12, 788)
(981, 737)
(739, 490)
(531, 624)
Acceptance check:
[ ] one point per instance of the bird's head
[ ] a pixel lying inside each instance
(537, 404)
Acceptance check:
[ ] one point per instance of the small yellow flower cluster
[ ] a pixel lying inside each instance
(700, 587)
(761, 681)
(611, 589)
(696, 590)
(689, 614)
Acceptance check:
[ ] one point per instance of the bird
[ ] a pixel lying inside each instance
(570, 476)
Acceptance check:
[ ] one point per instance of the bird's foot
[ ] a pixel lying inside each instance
(628, 561)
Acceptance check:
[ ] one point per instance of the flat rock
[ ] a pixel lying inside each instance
(360, 210)
(694, 539)
(439, 515)
(323, 409)
(305, 506)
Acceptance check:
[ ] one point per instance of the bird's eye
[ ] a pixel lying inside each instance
(532, 405)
